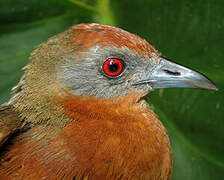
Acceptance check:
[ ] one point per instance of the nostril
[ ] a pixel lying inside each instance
(172, 73)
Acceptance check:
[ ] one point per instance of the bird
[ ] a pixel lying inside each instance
(80, 111)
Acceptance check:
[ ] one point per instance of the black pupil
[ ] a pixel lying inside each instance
(113, 66)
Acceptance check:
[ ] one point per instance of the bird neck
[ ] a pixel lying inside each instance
(35, 103)
(83, 108)
(55, 105)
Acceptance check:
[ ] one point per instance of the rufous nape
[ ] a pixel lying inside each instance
(79, 111)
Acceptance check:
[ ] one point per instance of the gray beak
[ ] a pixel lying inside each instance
(169, 74)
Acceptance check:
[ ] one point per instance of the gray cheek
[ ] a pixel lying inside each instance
(81, 78)
(85, 79)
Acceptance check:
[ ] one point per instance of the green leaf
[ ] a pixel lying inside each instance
(188, 32)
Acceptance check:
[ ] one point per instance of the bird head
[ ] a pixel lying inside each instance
(101, 61)
(111, 62)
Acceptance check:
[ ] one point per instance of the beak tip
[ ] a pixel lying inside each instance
(215, 88)
(211, 85)
(208, 84)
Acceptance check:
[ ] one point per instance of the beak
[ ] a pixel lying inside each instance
(169, 74)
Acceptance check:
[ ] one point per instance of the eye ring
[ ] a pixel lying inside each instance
(113, 67)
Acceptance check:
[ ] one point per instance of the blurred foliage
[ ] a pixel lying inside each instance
(189, 32)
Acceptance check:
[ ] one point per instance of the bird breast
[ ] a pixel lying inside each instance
(117, 138)
(105, 139)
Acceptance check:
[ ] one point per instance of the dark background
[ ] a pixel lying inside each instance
(188, 32)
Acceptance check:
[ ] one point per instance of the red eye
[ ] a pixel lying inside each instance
(113, 67)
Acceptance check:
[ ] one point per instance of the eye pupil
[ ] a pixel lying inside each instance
(113, 67)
